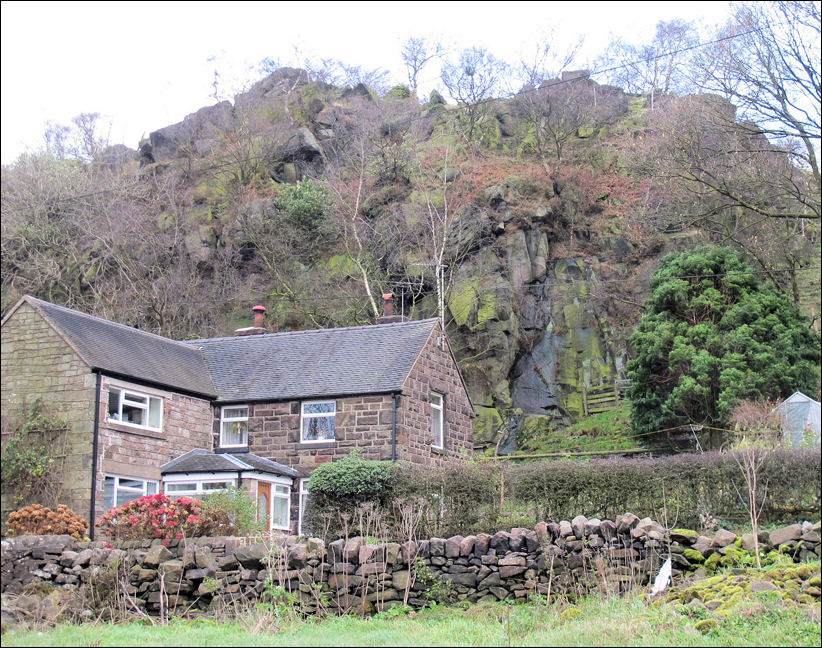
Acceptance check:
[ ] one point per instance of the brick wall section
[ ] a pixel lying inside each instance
(132, 452)
(36, 361)
(435, 370)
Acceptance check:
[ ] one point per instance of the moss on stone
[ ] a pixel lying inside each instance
(341, 265)
(486, 424)
(487, 308)
(706, 625)
(461, 303)
(569, 614)
(693, 556)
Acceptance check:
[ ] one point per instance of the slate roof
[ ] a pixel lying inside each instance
(119, 349)
(319, 363)
(197, 461)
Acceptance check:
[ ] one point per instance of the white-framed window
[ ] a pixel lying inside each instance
(280, 506)
(175, 489)
(135, 408)
(233, 426)
(304, 494)
(317, 421)
(437, 419)
(119, 490)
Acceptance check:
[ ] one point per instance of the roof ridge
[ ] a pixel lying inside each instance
(307, 331)
(107, 321)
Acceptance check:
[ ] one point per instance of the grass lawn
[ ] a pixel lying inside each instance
(628, 621)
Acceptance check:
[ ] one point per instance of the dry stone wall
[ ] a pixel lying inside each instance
(566, 557)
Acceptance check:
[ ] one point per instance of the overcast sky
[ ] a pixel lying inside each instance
(145, 65)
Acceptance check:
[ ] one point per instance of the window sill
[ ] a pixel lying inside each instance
(316, 445)
(436, 450)
(232, 450)
(129, 429)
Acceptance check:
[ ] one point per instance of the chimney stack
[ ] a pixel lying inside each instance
(388, 316)
(388, 305)
(258, 328)
(259, 311)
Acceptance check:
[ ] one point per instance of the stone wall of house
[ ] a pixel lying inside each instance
(36, 361)
(362, 422)
(435, 371)
(577, 556)
(134, 452)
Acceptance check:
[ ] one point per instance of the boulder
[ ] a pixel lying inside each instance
(578, 525)
(171, 570)
(761, 585)
(154, 556)
(626, 522)
(437, 546)
(500, 542)
(467, 545)
(723, 538)
(204, 559)
(453, 546)
(785, 534)
(253, 556)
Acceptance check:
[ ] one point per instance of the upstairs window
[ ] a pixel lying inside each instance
(436, 420)
(317, 421)
(234, 426)
(134, 408)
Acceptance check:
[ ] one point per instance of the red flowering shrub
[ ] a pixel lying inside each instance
(154, 516)
(39, 520)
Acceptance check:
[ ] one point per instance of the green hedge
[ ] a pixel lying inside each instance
(357, 496)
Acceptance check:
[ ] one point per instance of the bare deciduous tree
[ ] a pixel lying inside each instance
(472, 80)
(767, 64)
(416, 53)
(659, 66)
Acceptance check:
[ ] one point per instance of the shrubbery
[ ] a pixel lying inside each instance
(231, 511)
(39, 520)
(227, 512)
(153, 516)
(488, 497)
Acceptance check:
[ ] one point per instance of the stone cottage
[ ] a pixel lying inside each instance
(259, 410)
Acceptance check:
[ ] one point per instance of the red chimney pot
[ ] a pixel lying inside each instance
(387, 304)
(258, 315)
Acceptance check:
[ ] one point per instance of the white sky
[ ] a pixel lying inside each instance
(145, 65)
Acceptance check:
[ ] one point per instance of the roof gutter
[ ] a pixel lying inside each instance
(95, 443)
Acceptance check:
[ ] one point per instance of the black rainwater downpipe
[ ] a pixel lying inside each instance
(239, 479)
(394, 426)
(94, 447)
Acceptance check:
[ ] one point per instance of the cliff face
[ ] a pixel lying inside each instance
(552, 227)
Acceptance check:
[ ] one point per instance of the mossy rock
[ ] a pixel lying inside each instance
(341, 265)
(461, 303)
(706, 625)
(486, 424)
(713, 561)
(398, 92)
(569, 614)
(804, 572)
(693, 556)
(685, 532)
